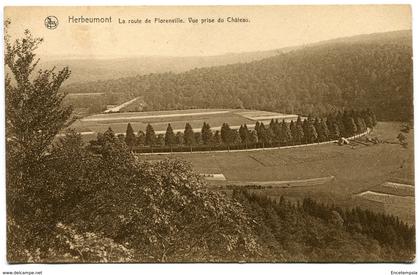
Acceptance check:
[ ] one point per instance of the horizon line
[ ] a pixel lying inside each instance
(106, 57)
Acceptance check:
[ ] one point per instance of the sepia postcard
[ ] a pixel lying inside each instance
(209, 134)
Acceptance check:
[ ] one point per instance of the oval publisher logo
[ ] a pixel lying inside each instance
(51, 22)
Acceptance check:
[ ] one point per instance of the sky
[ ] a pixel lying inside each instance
(269, 27)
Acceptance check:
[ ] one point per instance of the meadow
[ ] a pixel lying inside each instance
(353, 169)
(177, 118)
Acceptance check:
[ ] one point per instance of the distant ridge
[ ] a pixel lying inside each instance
(368, 71)
(85, 69)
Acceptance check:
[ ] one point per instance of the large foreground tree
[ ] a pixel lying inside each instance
(34, 110)
(34, 116)
(68, 203)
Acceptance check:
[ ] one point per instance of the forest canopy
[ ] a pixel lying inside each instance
(371, 73)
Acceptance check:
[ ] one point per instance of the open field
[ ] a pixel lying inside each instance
(357, 168)
(394, 189)
(178, 118)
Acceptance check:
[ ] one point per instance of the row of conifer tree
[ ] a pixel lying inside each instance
(309, 130)
(321, 228)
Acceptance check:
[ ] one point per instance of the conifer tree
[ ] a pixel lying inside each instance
(286, 133)
(277, 130)
(262, 134)
(257, 126)
(333, 128)
(189, 135)
(317, 125)
(150, 139)
(373, 116)
(246, 134)
(243, 133)
(299, 131)
(334, 131)
(310, 134)
(367, 118)
(313, 135)
(170, 138)
(272, 123)
(130, 137)
(206, 133)
(273, 130)
(329, 121)
(305, 126)
(226, 133)
(270, 135)
(323, 131)
(253, 137)
(349, 124)
(360, 124)
(339, 119)
(292, 128)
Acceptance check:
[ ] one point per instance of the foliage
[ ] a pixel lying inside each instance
(312, 80)
(67, 202)
(226, 133)
(285, 132)
(189, 135)
(141, 138)
(130, 137)
(244, 133)
(206, 133)
(170, 138)
(386, 229)
(87, 247)
(34, 116)
(313, 232)
(277, 134)
(150, 138)
(161, 209)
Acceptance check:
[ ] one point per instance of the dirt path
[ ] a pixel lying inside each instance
(116, 109)
(119, 107)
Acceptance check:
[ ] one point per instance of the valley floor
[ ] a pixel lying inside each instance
(352, 169)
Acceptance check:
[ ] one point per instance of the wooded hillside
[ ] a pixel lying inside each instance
(374, 72)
